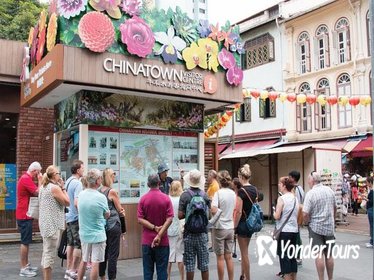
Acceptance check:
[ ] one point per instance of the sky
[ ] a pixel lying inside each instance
(235, 10)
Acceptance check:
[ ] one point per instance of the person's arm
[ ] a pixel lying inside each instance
(306, 209)
(238, 211)
(59, 193)
(182, 207)
(156, 241)
(113, 195)
(215, 203)
(279, 208)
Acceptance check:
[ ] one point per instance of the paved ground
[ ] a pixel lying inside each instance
(349, 269)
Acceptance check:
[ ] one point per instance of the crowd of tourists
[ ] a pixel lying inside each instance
(179, 221)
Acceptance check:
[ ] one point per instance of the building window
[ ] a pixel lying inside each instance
(321, 48)
(341, 40)
(303, 53)
(267, 108)
(244, 113)
(344, 112)
(202, 1)
(304, 112)
(201, 11)
(368, 33)
(259, 51)
(8, 143)
(322, 112)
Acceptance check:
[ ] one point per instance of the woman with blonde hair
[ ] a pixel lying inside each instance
(246, 196)
(175, 231)
(52, 200)
(286, 220)
(113, 226)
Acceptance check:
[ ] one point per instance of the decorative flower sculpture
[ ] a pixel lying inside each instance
(226, 59)
(110, 6)
(171, 45)
(234, 76)
(138, 36)
(42, 20)
(34, 45)
(195, 56)
(31, 35)
(226, 37)
(184, 26)
(204, 28)
(41, 45)
(216, 34)
(68, 8)
(52, 32)
(131, 7)
(96, 31)
(211, 49)
(237, 45)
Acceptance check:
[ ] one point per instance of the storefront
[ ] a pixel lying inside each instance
(121, 106)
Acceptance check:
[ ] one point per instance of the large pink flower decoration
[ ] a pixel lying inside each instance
(226, 59)
(131, 7)
(68, 8)
(96, 31)
(234, 75)
(138, 36)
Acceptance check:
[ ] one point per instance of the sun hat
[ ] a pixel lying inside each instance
(194, 179)
(162, 168)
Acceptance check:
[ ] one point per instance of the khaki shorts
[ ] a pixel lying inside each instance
(176, 246)
(223, 241)
(321, 241)
(93, 251)
(50, 245)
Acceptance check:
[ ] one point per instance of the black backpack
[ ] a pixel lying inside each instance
(61, 250)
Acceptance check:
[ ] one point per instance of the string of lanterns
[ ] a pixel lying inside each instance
(299, 98)
(309, 98)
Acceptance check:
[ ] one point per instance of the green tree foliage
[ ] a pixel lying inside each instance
(16, 18)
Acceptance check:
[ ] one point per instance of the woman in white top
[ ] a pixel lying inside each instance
(174, 231)
(223, 232)
(52, 199)
(287, 206)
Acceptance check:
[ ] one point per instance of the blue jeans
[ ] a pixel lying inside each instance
(370, 217)
(158, 255)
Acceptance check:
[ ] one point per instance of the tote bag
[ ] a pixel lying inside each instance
(33, 210)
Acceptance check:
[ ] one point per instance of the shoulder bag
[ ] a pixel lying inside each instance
(33, 210)
(254, 220)
(277, 232)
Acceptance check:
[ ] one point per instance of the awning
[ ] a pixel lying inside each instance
(364, 148)
(246, 149)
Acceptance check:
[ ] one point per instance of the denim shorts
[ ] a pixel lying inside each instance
(25, 229)
(195, 244)
(242, 230)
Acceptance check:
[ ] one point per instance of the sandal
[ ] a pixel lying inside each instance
(280, 274)
(241, 277)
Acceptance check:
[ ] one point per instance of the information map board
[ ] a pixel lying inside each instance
(135, 153)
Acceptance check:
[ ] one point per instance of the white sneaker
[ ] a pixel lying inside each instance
(26, 272)
(368, 245)
(32, 268)
(67, 274)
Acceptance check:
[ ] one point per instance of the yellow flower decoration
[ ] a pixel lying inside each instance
(42, 20)
(211, 48)
(195, 55)
(31, 36)
(52, 32)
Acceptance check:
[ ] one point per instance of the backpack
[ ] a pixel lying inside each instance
(61, 250)
(196, 213)
(254, 220)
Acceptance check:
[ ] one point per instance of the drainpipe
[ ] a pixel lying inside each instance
(281, 62)
(372, 65)
(233, 133)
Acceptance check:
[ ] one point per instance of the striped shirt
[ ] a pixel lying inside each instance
(319, 203)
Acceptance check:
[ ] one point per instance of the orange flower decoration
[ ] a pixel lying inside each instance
(42, 21)
(52, 32)
(41, 45)
(31, 36)
(216, 34)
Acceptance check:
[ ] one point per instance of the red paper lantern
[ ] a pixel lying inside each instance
(229, 113)
(354, 100)
(311, 98)
(273, 95)
(332, 100)
(291, 97)
(255, 93)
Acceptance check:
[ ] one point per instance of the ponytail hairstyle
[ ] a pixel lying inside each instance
(245, 172)
(285, 180)
(47, 176)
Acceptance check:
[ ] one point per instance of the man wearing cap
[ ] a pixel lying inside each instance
(25, 189)
(165, 181)
(195, 244)
(155, 214)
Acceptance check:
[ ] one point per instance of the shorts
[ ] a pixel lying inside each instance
(25, 229)
(242, 230)
(321, 241)
(73, 235)
(223, 241)
(93, 251)
(176, 249)
(196, 245)
(50, 245)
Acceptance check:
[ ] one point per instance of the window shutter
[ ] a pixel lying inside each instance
(298, 59)
(238, 114)
(307, 53)
(335, 51)
(271, 50)
(348, 48)
(316, 53)
(309, 117)
(273, 108)
(243, 60)
(327, 49)
(328, 118)
(262, 108)
(298, 118)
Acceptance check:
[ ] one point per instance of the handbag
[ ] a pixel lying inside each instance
(123, 224)
(363, 204)
(254, 220)
(33, 210)
(277, 232)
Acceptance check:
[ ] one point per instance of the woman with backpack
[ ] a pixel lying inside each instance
(247, 195)
(223, 231)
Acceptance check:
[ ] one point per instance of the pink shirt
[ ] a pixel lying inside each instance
(25, 189)
(155, 207)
